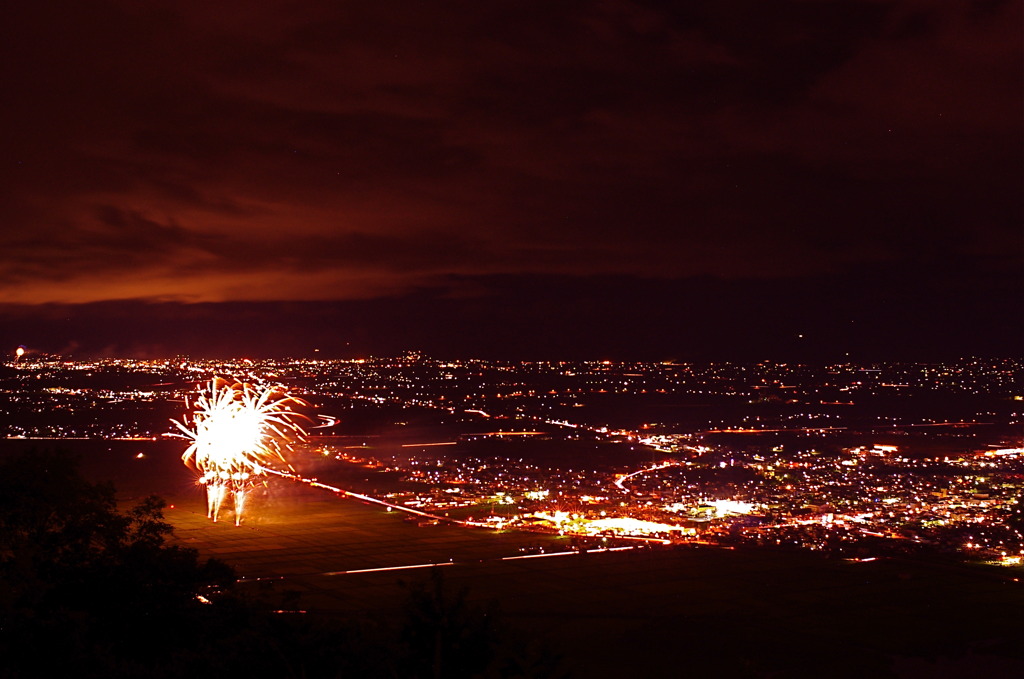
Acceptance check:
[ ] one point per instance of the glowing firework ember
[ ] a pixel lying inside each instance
(237, 429)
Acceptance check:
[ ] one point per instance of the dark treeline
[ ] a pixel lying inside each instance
(87, 590)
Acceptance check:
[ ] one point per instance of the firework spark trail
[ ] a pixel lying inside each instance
(237, 430)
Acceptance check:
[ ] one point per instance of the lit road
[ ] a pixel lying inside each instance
(313, 483)
(622, 479)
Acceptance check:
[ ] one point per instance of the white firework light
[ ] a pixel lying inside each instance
(237, 430)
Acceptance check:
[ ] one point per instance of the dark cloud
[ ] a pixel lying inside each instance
(217, 152)
(873, 313)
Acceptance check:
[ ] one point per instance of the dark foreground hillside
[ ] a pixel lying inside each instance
(132, 611)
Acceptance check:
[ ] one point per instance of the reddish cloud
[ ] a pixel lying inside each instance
(216, 151)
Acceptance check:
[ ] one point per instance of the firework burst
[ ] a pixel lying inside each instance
(237, 430)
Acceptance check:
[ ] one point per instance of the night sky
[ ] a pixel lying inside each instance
(730, 179)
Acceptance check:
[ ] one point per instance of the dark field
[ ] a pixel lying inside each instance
(651, 612)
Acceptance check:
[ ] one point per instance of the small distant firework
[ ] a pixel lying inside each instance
(237, 430)
(18, 353)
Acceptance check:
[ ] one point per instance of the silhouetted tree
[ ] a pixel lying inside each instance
(83, 585)
(445, 636)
